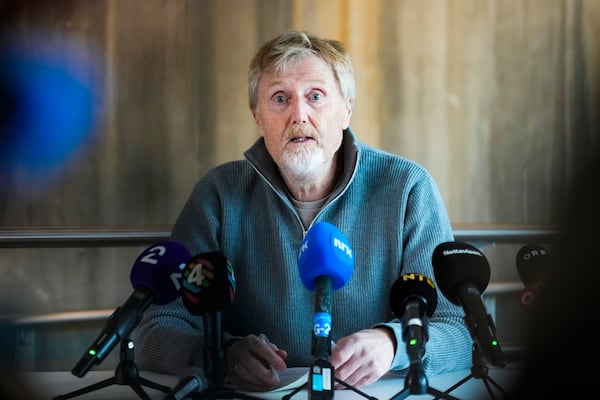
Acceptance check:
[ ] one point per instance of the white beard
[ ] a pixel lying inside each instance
(304, 164)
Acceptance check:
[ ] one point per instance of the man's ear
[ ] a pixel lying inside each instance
(347, 115)
(255, 118)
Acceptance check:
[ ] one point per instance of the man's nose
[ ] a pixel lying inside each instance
(299, 111)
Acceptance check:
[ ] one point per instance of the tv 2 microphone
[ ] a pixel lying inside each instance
(413, 300)
(207, 288)
(325, 264)
(463, 273)
(532, 262)
(155, 278)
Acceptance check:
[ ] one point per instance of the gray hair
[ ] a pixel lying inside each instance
(278, 54)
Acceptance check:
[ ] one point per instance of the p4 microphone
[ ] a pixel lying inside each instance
(463, 273)
(325, 264)
(207, 289)
(413, 300)
(532, 265)
(155, 278)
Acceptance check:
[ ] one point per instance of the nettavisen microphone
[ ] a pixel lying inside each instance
(155, 279)
(532, 265)
(325, 264)
(192, 382)
(207, 289)
(413, 300)
(463, 273)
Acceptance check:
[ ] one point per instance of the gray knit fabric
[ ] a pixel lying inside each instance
(389, 208)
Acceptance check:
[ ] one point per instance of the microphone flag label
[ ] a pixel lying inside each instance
(322, 324)
(420, 277)
(197, 277)
(208, 280)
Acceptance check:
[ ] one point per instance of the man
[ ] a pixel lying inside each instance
(307, 167)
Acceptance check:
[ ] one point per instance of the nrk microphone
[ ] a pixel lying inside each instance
(155, 279)
(463, 273)
(325, 263)
(208, 287)
(413, 300)
(532, 265)
(192, 382)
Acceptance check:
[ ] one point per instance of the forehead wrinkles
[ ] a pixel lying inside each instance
(315, 72)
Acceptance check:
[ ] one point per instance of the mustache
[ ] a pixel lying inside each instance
(302, 130)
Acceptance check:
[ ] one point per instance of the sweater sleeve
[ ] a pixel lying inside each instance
(171, 339)
(426, 225)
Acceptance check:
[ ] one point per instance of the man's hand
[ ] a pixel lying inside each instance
(363, 357)
(254, 364)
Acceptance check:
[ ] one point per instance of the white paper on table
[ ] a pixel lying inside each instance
(290, 379)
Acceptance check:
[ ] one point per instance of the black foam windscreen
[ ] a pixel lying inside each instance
(409, 286)
(208, 283)
(532, 263)
(456, 264)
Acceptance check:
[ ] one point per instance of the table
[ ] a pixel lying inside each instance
(48, 384)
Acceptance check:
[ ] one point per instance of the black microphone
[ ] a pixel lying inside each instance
(325, 264)
(463, 273)
(155, 278)
(192, 382)
(207, 289)
(532, 265)
(413, 300)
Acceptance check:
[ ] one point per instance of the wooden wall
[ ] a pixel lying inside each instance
(498, 99)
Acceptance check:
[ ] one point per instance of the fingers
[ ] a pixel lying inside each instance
(251, 379)
(253, 364)
(362, 358)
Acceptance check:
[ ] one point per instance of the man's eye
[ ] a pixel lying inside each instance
(279, 99)
(316, 96)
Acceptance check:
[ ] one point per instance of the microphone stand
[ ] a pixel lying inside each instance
(321, 374)
(416, 382)
(479, 370)
(480, 354)
(317, 370)
(127, 373)
(414, 334)
(215, 363)
(320, 378)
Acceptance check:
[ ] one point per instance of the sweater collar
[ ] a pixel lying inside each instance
(259, 158)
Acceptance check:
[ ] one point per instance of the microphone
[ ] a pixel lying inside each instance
(192, 382)
(413, 299)
(325, 264)
(532, 264)
(463, 273)
(207, 288)
(155, 279)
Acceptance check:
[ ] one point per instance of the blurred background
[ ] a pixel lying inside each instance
(110, 110)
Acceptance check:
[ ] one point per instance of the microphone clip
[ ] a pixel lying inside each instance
(321, 346)
(415, 335)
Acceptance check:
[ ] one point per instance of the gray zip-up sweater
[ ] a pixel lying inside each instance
(389, 208)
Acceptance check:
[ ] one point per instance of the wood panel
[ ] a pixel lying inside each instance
(495, 98)
(498, 99)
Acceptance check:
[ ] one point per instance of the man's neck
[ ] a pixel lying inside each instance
(315, 186)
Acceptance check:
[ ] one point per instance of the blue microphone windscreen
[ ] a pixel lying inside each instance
(325, 251)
